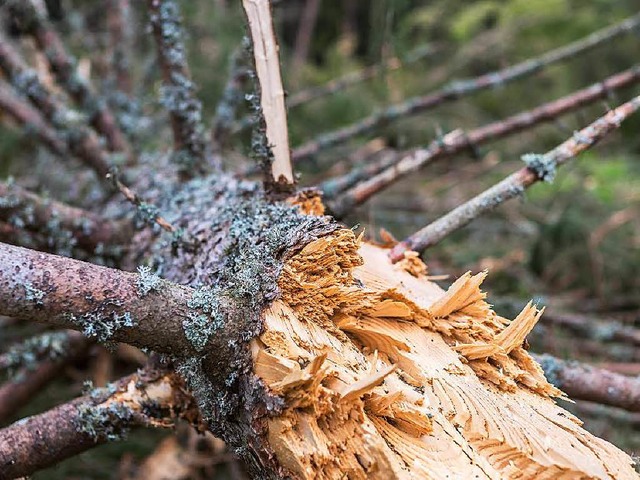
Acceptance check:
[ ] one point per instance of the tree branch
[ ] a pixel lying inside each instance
(118, 24)
(31, 212)
(80, 141)
(461, 88)
(584, 382)
(539, 167)
(178, 93)
(30, 119)
(103, 303)
(63, 66)
(600, 330)
(232, 98)
(457, 142)
(353, 78)
(38, 368)
(148, 398)
(267, 63)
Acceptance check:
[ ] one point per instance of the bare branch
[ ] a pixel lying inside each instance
(31, 212)
(265, 52)
(64, 347)
(353, 78)
(178, 91)
(149, 211)
(103, 303)
(461, 88)
(457, 141)
(118, 24)
(149, 398)
(586, 327)
(81, 141)
(63, 66)
(539, 167)
(232, 98)
(306, 26)
(584, 382)
(29, 118)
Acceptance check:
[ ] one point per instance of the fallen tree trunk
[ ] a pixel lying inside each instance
(338, 362)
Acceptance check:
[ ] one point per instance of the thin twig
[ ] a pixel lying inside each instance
(267, 63)
(149, 211)
(539, 167)
(585, 382)
(63, 66)
(178, 95)
(461, 88)
(354, 78)
(457, 141)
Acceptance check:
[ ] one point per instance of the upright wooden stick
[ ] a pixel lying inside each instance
(265, 51)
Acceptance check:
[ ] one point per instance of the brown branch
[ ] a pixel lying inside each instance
(30, 119)
(539, 167)
(353, 78)
(149, 398)
(80, 141)
(178, 93)
(148, 211)
(306, 26)
(232, 98)
(267, 63)
(585, 327)
(461, 88)
(584, 382)
(118, 23)
(63, 66)
(31, 212)
(37, 372)
(457, 142)
(103, 303)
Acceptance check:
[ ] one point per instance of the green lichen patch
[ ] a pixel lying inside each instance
(34, 294)
(544, 166)
(104, 422)
(147, 281)
(102, 324)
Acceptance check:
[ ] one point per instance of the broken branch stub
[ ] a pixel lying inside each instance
(267, 63)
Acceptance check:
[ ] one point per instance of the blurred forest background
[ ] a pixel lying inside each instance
(573, 245)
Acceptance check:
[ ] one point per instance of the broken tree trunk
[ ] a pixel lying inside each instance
(313, 356)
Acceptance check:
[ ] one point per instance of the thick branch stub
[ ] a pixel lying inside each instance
(265, 52)
(103, 303)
